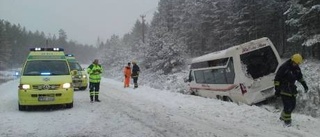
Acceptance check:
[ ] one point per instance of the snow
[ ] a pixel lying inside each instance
(311, 41)
(316, 7)
(146, 112)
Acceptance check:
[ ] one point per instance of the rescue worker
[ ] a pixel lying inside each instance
(127, 75)
(94, 70)
(135, 73)
(285, 87)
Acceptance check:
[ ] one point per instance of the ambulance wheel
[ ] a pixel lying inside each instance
(22, 108)
(227, 99)
(70, 105)
(83, 88)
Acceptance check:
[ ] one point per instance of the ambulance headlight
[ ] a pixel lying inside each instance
(84, 76)
(66, 85)
(25, 86)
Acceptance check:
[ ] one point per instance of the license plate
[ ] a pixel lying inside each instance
(45, 98)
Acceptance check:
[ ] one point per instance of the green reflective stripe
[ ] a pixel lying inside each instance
(95, 78)
(276, 83)
(96, 93)
(287, 94)
(92, 93)
(285, 116)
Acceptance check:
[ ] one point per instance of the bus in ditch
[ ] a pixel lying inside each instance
(243, 73)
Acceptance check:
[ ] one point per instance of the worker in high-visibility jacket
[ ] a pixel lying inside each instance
(94, 70)
(127, 75)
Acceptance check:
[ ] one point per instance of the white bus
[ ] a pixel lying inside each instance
(241, 74)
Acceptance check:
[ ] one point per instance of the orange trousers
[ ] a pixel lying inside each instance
(126, 81)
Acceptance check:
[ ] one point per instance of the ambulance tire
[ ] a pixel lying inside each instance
(70, 105)
(22, 108)
(83, 88)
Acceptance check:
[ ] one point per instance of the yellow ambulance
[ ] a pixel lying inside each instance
(79, 75)
(45, 79)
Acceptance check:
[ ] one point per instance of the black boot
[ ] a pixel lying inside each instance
(287, 123)
(91, 99)
(97, 99)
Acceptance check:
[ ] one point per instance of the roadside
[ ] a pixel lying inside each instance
(8, 75)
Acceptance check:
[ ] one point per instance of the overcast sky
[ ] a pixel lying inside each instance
(83, 20)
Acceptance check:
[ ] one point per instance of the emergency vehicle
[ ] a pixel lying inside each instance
(79, 75)
(243, 73)
(45, 79)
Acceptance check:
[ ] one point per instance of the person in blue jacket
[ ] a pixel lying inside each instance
(135, 73)
(284, 82)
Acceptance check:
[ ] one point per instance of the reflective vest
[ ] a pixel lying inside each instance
(95, 71)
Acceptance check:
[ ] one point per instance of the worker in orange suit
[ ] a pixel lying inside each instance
(127, 75)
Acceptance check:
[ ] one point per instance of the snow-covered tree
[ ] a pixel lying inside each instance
(304, 20)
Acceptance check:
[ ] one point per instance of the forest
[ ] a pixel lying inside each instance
(183, 29)
(16, 41)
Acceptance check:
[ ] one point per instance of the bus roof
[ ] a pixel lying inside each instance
(238, 49)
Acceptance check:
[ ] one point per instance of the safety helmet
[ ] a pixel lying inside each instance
(134, 62)
(297, 58)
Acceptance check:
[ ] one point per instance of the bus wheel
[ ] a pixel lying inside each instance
(194, 92)
(227, 99)
(83, 88)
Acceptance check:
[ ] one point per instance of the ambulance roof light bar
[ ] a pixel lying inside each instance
(46, 49)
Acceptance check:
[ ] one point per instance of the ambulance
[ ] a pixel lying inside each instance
(79, 75)
(45, 79)
(243, 73)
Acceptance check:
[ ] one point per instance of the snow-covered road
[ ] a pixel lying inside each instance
(146, 112)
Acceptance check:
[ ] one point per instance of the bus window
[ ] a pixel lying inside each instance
(219, 77)
(229, 72)
(199, 76)
(208, 76)
(260, 62)
(210, 63)
(216, 76)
